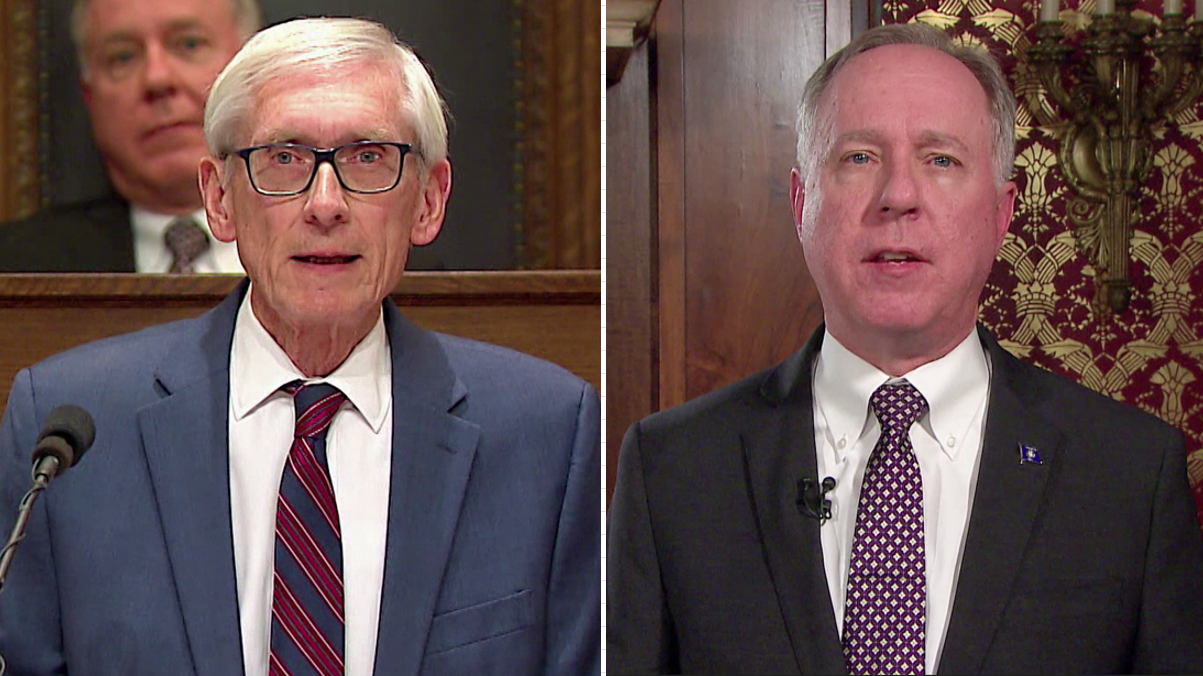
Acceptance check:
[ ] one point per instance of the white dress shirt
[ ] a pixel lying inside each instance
(947, 442)
(152, 255)
(359, 449)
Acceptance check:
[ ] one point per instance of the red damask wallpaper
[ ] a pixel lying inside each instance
(1038, 300)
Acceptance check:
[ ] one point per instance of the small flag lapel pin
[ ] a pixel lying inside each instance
(1029, 455)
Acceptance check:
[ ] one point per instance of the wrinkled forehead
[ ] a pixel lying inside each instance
(351, 102)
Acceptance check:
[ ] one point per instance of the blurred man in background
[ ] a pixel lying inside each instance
(146, 67)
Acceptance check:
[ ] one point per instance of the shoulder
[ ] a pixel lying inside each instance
(1081, 412)
(487, 368)
(108, 365)
(107, 209)
(92, 236)
(709, 417)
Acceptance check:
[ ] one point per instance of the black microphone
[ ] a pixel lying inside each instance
(66, 434)
(812, 498)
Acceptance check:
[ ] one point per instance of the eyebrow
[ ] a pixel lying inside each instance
(377, 134)
(927, 139)
(127, 35)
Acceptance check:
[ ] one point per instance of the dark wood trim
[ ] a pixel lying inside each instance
(19, 187)
(561, 287)
(630, 326)
(668, 151)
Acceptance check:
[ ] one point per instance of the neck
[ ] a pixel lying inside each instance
(897, 353)
(316, 349)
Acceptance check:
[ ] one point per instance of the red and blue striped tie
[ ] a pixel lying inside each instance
(307, 600)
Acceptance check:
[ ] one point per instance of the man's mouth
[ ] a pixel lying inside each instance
(895, 257)
(181, 124)
(326, 260)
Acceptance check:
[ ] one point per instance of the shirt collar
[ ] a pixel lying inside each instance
(955, 387)
(151, 251)
(150, 225)
(259, 367)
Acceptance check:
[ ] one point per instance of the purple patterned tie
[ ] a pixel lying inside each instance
(884, 631)
(186, 241)
(307, 596)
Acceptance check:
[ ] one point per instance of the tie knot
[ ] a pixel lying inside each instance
(897, 405)
(186, 241)
(315, 407)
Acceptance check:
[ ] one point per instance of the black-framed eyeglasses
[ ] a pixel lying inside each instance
(286, 169)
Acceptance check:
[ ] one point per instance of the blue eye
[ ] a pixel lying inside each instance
(859, 158)
(943, 161)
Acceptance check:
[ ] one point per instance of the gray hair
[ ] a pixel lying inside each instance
(325, 47)
(979, 62)
(246, 14)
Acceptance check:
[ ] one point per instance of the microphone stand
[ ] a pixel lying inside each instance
(40, 480)
(18, 534)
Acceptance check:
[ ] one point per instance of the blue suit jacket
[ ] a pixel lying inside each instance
(492, 557)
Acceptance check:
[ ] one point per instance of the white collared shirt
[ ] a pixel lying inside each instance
(359, 448)
(947, 442)
(151, 253)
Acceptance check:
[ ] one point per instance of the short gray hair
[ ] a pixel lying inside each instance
(323, 46)
(246, 14)
(979, 62)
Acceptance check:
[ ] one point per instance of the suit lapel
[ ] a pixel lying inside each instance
(779, 449)
(1005, 507)
(433, 452)
(185, 441)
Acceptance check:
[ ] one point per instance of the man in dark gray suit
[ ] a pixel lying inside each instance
(145, 69)
(902, 495)
(444, 519)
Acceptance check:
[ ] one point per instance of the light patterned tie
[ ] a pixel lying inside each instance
(307, 596)
(186, 241)
(884, 628)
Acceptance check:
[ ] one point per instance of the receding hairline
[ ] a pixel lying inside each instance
(828, 103)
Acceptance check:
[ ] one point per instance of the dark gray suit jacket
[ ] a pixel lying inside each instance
(92, 236)
(1091, 562)
(492, 555)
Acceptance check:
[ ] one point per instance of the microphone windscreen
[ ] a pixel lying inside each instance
(74, 425)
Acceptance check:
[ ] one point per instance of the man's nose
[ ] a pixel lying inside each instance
(899, 190)
(326, 202)
(159, 74)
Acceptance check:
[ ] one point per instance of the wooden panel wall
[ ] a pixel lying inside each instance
(749, 299)
(631, 339)
(707, 282)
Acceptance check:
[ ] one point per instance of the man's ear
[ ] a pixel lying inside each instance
(214, 195)
(797, 196)
(1004, 211)
(432, 203)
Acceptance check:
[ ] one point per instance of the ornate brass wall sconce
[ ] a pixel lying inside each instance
(1115, 96)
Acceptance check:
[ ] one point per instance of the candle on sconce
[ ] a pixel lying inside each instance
(1173, 7)
(1104, 7)
(1050, 10)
